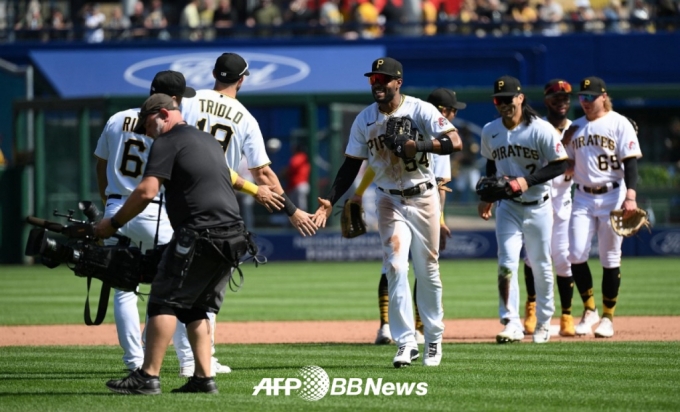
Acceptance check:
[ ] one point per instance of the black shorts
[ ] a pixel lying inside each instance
(204, 285)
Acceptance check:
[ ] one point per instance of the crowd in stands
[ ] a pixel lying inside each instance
(196, 20)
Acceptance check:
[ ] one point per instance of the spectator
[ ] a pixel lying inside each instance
(491, 17)
(613, 14)
(395, 20)
(429, 18)
(299, 18)
(206, 14)
(467, 18)
(190, 21)
(524, 16)
(366, 17)
(297, 174)
(137, 19)
(668, 13)
(639, 16)
(268, 15)
(550, 15)
(583, 18)
(156, 22)
(330, 17)
(118, 26)
(93, 20)
(224, 19)
(59, 26)
(31, 25)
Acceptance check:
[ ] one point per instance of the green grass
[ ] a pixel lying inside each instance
(580, 376)
(32, 295)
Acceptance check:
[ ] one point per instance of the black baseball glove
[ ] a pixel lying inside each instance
(399, 131)
(352, 220)
(494, 188)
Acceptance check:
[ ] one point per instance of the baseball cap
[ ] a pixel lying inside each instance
(593, 85)
(506, 86)
(229, 67)
(556, 86)
(388, 66)
(152, 105)
(171, 83)
(445, 98)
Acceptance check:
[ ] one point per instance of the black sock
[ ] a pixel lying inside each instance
(529, 281)
(565, 287)
(611, 281)
(584, 282)
(383, 299)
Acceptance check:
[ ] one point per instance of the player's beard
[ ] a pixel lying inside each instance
(157, 129)
(388, 95)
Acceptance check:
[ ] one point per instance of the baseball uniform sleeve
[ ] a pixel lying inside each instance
(102, 150)
(442, 167)
(189, 111)
(628, 145)
(485, 148)
(253, 145)
(431, 122)
(356, 146)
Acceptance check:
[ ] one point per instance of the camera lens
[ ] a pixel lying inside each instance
(90, 210)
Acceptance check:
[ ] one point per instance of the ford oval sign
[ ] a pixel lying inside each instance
(267, 71)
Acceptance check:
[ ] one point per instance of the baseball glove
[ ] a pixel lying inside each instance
(352, 220)
(631, 225)
(493, 188)
(399, 131)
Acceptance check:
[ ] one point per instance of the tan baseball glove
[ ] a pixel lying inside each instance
(629, 226)
(352, 220)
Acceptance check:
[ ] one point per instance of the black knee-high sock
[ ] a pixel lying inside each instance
(383, 299)
(611, 281)
(565, 287)
(419, 323)
(529, 281)
(584, 283)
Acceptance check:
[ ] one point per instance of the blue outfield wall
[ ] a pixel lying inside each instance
(330, 246)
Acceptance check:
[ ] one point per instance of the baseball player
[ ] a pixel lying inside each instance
(605, 149)
(407, 204)
(556, 99)
(217, 112)
(445, 100)
(521, 144)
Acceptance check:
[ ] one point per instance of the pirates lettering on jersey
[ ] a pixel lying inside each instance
(220, 109)
(129, 123)
(503, 152)
(377, 143)
(594, 140)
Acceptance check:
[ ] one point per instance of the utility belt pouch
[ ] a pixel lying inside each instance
(183, 252)
(234, 247)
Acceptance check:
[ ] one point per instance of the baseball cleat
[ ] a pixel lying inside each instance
(135, 384)
(405, 354)
(433, 354)
(384, 336)
(585, 326)
(530, 318)
(542, 333)
(567, 326)
(420, 338)
(511, 333)
(605, 329)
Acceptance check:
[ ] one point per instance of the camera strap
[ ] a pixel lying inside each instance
(158, 221)
(103, 304)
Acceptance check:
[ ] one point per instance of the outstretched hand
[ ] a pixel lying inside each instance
(444, 233)
(323, 212)
(484, 210)
(268, 198)
(303, 222)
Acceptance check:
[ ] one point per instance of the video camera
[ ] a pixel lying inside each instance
(120, 266)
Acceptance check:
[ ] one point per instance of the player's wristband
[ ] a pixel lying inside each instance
(426, 145)
(115, 224)
(249, 188)
(441, 219)
(369, 174)
(288, 205)
(628, 198)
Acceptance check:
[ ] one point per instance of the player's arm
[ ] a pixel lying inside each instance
(264, 195)
(444, 144)
(343, 181)
(102, 181)
(138, 200)
(484, 208)
(630, 176)
(299, 218)
(548, 172)
(366, 181)
(444, 231)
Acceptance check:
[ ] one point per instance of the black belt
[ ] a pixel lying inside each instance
(411, 191)
(158, 202)
(534, 203)
(597, 190)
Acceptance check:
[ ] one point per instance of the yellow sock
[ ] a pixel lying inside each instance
(588, 299)
(383, 302)
(609, 308)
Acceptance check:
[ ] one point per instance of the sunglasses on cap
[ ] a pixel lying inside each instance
(451, 109)
(589, 98)
(559, 87)
(380, 79)
(499, 100)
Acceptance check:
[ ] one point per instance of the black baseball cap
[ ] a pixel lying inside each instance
(593, 85)
(556, 87)
(387, 66)
(506, 86)
(171, 83)
(445, 98)
(229, 67)
(152, 105)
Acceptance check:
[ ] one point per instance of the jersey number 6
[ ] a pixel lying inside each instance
(130, 159)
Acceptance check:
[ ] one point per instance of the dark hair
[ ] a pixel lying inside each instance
(528, 112)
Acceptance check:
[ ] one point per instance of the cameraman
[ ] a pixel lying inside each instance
(202, 206)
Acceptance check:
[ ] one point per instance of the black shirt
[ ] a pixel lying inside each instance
(197, 182)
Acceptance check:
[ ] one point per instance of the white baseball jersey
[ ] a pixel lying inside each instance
(126, 150)
(442, 167)
(523, 150)
(560, 192)
(366, 141)
(232, 125)
(599, 148)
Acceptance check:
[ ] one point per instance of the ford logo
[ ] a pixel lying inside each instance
(267, 71)
(666, 243)
(466, 245)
